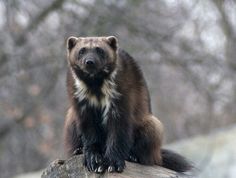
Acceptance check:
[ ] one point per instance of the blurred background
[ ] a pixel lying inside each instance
(186, 48)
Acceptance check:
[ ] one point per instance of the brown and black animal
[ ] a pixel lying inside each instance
(110, 116)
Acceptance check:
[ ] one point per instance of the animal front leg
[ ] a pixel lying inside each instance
(92, 149)
(93, 160)
(118, 141)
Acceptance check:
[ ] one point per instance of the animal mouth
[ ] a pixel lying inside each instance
(91, 71)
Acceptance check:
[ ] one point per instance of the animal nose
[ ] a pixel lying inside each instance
(89, 62)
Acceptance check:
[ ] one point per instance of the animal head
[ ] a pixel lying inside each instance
(92, 56)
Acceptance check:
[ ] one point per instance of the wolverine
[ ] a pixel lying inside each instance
(109, 118)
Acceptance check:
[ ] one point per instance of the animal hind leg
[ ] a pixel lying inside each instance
(147, 145)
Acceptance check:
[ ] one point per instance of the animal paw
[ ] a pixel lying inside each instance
(94, 162)
(116, 165)
(132, 158)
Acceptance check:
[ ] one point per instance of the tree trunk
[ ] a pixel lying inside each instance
(73, 168)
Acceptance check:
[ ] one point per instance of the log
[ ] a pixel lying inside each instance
(73, 168)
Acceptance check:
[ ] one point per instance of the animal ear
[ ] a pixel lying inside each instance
(113, 42)
(71, 42)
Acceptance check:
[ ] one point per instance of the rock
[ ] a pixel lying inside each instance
(31, 175)
(73, 168)
(214, 154)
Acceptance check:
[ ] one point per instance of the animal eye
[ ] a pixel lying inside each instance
(100, 52)
(82, 51)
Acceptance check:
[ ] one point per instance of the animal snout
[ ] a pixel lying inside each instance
(90, 62)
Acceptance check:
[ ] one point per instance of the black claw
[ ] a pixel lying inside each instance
(120, 166)
(119, 169)
(133, 159)
(93, 167)
(116, 165)
(94, 162)
(78, 151)
(100, 169)
(89, 169)
(111, 169)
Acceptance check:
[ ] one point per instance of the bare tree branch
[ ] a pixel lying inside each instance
(38, 19)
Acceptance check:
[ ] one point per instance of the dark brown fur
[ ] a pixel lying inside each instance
(130, 132)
